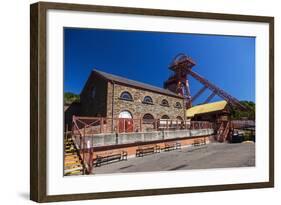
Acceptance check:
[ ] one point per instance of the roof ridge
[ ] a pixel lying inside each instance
(131, 82)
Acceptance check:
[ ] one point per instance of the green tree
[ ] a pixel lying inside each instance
(237, 114)
(70, 98)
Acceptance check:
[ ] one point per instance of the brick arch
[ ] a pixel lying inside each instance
(148, 99)
(125, 121)
(165, 117)
(126, 95)
(165, 102)
(148, 118)
(125, 114)
(178, 105)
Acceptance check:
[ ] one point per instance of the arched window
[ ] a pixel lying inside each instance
(125, 114)
(165, 103)
(148, 118)
(126, 96)
(165, 117)
(147, 100)
(178, 105)
(179, 118)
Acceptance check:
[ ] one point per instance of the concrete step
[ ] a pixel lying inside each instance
(72, 166)
(71, 157)
(70, 153)
(72, 162)
(74, 173)
(71, 171)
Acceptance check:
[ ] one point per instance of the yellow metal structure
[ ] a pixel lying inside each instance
(206, 108)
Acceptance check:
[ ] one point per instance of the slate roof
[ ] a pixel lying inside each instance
(134, 83)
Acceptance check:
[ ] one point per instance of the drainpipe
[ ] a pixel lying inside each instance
(184, 114)
(184, 109)
(112, 105)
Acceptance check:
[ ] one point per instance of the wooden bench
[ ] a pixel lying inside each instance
(110, 157)
(199, 142)
(148, 149)
(171, 146)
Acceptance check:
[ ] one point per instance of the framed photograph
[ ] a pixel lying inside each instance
(135, 102)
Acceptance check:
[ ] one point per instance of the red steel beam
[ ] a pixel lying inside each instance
(210, 97)
(217, 90)
(198, 93)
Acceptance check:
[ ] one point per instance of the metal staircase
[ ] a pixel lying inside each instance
(72, 162)
(223, 132)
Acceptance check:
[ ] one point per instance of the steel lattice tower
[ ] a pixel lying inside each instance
(178, 83)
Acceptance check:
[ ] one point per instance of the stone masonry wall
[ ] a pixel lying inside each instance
(94, 106)
(137, 108)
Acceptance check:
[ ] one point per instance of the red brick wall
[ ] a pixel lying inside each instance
(132, 149)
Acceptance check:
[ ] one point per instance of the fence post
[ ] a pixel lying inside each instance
(83, 148)
(124, 125)
(91, 160)
(155, 124)
(140, 125)
(101, 125)
(66, 131)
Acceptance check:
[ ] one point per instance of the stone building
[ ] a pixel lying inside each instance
(110, 96)
(117, 115)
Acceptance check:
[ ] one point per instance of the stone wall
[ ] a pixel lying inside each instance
(137, 108)
(107, 103)
(94, 106)
(131, 148)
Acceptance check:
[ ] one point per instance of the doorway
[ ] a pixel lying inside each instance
(126, 123)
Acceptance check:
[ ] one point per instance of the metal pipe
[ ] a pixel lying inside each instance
(112, 106)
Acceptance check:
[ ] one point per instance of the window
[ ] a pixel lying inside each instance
(125, 114)
(148, 118)
(147, 100)
(93, 92)
(165, 103)
(179, 118)
(126, 96)
(165, 117)
(178, 105)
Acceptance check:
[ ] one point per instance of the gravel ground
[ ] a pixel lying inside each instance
(215, 155)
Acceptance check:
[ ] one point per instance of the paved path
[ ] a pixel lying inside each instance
(215, 155)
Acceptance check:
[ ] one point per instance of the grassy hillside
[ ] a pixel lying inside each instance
(250, 113)
(70, 98)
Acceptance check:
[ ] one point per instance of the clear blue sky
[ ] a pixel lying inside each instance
(227, 61)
